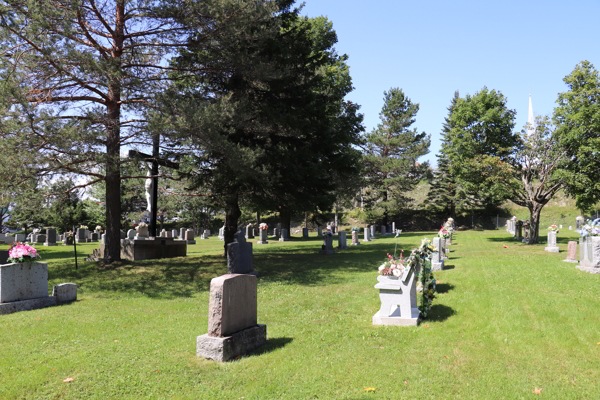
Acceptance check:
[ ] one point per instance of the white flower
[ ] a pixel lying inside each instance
(381, 267)
(396, 272)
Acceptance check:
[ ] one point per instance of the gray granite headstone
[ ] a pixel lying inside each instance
(262, 236)
(174, 233)
(284, 235)
(19, 237)
(367, 237)
(342, 242)
(552, 247)
(131, 234)
(305, 233)
(239, 255)
(50, 237)
(372, 233)
(189, 236)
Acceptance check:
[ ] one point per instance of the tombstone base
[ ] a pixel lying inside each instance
(518, 238)
(27, 305)
(552, 249)
(281, 239)
(437, 266)
(49, 244)
(229, 347)
(571, 261)
(591, 270)
(355, 244)
(262, 242)
(398, 321)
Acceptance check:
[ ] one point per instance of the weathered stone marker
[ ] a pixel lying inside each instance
(589, 255)
(284, 237)
(552, 247)
(571, 252)
(372, 234)
(305, 233)
(263, 234)
(342, 242)
(232, 319)
(189, 236)
(367, 235)
(327, 247)
(355, 241)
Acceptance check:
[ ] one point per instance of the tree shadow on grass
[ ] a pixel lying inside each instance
(161, 279)
(440, 312)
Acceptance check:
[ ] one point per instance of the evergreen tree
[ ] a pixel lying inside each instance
(275, 130)
(578, 119)
(392, 153)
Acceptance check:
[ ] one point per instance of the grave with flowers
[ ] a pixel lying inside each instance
(397, 284)
(24, 282)
(589, 247)
(327, 247)
(552, 246)
(263, 233)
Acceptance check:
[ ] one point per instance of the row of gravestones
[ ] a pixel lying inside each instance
(589, 246)
(232, 314)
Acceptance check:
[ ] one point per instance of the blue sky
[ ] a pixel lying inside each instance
(432, 48)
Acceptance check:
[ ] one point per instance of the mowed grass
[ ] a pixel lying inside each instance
(507, 322)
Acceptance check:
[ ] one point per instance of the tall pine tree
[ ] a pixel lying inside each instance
(393, 149)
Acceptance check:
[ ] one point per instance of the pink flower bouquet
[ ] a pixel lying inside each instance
(21, 252)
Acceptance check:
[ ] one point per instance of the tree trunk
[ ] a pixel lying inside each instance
(285, 217)
(385, 212)
(257, 218)
(112, 240)
(232, 214)
(306, 220)
(535, 211)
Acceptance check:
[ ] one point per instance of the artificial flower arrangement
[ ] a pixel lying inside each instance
(327, 232)
(444, 233)
(21, 252)
(514, 218)
(355, 229)
(83, 227)
(263, 226)
(394, 266)
(526, 223)
(69, 234)
(400, 267)
(142, 225)
(98, 228)
(553, 228)
(591, 228)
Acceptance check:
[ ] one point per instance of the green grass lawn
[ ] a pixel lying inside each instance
(507, 321)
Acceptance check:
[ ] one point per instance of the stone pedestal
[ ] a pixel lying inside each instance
(232, 317)
(552, 247)
(367, 235)
(262, 239)
(372, 233)
(398, 297)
